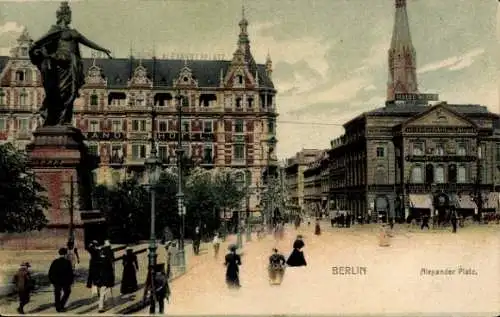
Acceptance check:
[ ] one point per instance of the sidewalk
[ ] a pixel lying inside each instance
(81, 300)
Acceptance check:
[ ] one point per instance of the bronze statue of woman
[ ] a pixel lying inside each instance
(57, 56)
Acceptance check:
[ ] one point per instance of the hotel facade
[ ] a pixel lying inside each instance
(228, 111)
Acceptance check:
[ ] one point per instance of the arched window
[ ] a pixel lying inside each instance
(462, 174)
(417, 175)
(380, 175)
(429, 173)
(452, 173)
(439, 174)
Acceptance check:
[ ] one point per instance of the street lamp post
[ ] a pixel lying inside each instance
(248, 227)
(180, 195)
(271, 144)
(239, 239)
(153, 165)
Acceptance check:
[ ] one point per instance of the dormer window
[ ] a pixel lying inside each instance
(94, 99)
(240, 79)
(140, 100)
(185, 79)
(185, 101)
(24, 52)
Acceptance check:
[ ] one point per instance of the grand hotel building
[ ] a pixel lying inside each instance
(228, 111)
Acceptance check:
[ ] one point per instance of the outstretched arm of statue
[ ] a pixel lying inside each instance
(85, 41)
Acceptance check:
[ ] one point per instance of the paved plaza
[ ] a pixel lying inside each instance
(392, 284)
(390, 279)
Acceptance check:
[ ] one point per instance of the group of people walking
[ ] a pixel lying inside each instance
(276, 266)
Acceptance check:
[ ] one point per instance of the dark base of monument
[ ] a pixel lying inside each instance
(62, 164)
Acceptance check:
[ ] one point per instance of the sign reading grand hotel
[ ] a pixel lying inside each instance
(416, 97)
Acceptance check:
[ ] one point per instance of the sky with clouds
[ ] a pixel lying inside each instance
(330, 56)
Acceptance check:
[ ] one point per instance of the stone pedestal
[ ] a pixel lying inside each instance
(60, 159)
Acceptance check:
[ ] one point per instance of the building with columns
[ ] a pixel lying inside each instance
(409, 157)
(228, 110)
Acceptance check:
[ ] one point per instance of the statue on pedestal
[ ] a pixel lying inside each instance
(57, 56)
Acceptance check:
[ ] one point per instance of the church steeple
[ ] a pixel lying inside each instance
(402, 56)
(243, 53)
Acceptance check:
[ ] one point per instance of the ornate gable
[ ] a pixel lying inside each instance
(95, 76)
(440, 115)
(186, 78)
(140, 78)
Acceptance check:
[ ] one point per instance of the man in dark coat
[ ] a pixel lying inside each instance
(61, 276)
(196, 240)
(157, 282)
(24, 285)
(105, 275)
(297, 258)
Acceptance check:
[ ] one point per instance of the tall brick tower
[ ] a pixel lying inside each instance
(402, 56)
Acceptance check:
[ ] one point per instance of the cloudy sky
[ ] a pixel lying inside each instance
(330, 56)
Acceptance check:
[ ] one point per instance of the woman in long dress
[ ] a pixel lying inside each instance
(129, 277)
(276, 267)
(297, 258)
(232, 263)
(57, 56)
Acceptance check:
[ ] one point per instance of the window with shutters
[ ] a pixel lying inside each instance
(239, 126)
(138, 151)
(208, 153)
(439, 174)
(94, 126)
(23, 124)
(186, 125)
(163, 153)
(239, 152)
(162, 125)
(116, 125)
(462, 174)
(207, 126)
(138, 125)
(417, 174)
(23, 98)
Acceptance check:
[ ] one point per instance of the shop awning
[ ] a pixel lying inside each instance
(421, 201)
(465, 202)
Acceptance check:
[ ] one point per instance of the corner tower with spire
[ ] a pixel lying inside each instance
(402, 56)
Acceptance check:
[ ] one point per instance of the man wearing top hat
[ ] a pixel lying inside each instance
(157, 287)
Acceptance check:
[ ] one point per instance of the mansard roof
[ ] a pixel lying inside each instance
(207, 72)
